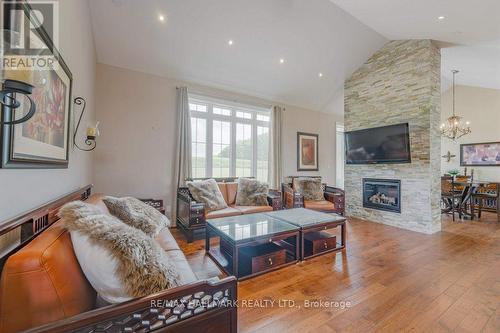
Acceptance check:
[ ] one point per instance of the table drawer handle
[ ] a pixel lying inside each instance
(326, 245)
(270, 261)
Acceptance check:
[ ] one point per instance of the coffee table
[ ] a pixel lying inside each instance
(252, 244)
(313, 240)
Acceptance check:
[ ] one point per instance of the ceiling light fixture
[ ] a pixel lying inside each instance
(161, 18)
(454, 130)
(282, 61)
(230, 42)
(441, 18)
(320, 74)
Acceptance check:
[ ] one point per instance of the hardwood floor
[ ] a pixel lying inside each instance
(395, 280)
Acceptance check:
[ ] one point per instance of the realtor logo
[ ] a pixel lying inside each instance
(29, 32)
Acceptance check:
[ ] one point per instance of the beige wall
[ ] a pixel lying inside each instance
(21, 190)
(135, 153)
(481, 107)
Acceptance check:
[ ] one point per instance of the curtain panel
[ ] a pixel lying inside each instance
(275, 148)
(183, 146)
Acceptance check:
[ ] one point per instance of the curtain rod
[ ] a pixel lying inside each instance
(232, 99)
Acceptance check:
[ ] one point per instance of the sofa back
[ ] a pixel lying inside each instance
(43, 282)
(229, 191)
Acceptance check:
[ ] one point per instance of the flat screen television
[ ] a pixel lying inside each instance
(379, 145)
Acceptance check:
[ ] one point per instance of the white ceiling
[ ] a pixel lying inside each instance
(312, 36)
(469, 34)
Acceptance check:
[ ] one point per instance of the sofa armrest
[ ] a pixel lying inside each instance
(291, 199)
(274, 199)
(189, 212)
(337, 197)
(188, 308)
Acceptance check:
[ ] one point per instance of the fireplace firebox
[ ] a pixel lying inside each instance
(382, 194)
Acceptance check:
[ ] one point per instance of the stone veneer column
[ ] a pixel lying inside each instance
(400, 83)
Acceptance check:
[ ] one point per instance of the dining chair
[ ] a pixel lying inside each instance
(485, 197)
(451, 198)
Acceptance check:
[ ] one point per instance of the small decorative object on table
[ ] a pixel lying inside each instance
(453, 172)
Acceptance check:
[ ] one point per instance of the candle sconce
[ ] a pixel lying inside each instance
(92, 132)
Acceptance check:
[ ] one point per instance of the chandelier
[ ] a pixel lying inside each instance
(453, 129)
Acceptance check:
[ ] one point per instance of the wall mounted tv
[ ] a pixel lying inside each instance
(379, 145)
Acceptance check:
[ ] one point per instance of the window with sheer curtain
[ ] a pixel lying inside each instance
(229, 139)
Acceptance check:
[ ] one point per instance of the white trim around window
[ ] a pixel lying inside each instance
(223, 129)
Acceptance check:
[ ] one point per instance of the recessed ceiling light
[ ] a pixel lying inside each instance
(320, 74)
(161, 18)
(230, 42)
(441, 18)
(282, 61)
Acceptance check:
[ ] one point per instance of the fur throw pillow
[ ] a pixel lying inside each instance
(207, 192)
(137, 214)
(141, 266)
(251, 192)
(310, 188)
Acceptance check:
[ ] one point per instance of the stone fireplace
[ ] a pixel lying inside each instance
(382, 194)
(400, 83)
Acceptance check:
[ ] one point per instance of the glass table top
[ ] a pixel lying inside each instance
(304, 217)
(244, 227)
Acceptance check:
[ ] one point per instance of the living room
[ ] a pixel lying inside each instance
(300, 166)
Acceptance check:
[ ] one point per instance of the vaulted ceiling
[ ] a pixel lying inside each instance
(467, 30)
(192, 44)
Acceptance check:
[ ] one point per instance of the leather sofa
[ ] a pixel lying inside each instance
(192, 215)
(43, 283)
(333, 198)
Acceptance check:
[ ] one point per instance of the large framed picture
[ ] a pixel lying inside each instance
(43, 141)
(480, 154)
(307, 152)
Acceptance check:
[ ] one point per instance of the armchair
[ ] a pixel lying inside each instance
(334, 199)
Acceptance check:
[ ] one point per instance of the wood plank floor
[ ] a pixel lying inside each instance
(395, 280)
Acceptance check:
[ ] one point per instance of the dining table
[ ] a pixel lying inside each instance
(471, 187)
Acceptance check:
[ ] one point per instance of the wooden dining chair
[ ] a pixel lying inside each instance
(451, 198)
(485, 197)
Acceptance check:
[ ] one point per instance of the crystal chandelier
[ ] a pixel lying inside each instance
(454, 129)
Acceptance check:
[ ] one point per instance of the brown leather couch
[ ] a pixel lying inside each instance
(43, 282)
(333, 198)
(192, 215)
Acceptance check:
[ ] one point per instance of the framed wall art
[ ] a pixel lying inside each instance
(307, 152)
(480, 154)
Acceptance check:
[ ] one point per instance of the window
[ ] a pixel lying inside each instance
(228, 139)
(339, 179)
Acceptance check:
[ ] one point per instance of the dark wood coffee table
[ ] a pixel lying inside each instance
(252, 244)
(314, 240)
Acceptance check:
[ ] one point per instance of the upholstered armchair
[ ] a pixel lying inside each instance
(333, 200)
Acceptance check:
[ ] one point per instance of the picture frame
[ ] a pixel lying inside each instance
(307, 151)
(480, 154)
(43, 141)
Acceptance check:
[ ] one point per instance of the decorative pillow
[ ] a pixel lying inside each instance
(207, 192)
(137, 214)
(251, 192)
(119, 261)
(310, 188)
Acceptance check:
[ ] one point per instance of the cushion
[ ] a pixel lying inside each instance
(232, 190)
(310, 188)
(120, 261)
(137, 214)
(207, 192)
(253, 209)
(251, 192)
(229, 211)
(322, 205)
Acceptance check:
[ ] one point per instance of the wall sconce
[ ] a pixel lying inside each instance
(8, 99)
(92, 132)
(17, 79)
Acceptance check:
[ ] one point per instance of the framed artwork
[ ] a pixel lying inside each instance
(307, 152)
(480, 154)
(43, 141)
